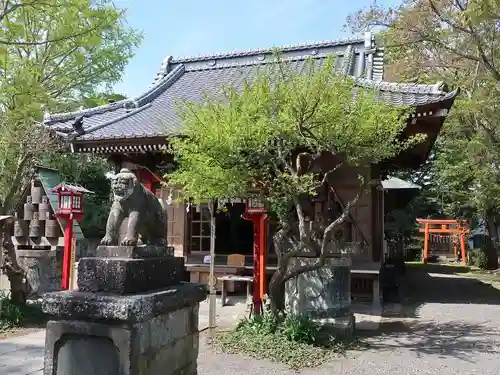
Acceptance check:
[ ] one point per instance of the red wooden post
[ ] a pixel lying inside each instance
(263, 255)
(257, 251)
(259, 257)
(462, 248)
(68, 237)
(426, 243)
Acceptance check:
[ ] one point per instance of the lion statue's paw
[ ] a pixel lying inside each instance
(129, 241)
(107, 241)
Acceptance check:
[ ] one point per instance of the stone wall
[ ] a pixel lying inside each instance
(169, 343)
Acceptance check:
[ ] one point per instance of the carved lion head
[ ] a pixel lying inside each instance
(123, 185)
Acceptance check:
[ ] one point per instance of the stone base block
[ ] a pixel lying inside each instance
(145, 334)
(342, 327)
(134, 252)
(125, 276)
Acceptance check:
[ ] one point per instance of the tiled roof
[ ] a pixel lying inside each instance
(394, 183)
(409, 94)
(155, 113)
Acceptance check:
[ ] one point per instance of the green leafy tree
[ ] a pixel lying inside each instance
(88, 171)
(455, 41)
(102, 99)
(53, 54)
(266, 140)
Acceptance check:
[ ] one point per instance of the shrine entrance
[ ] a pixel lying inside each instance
(443, 237)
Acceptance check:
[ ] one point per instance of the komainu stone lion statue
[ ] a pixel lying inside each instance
(146, 215)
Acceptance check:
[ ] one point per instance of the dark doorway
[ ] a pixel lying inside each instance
(234, 235)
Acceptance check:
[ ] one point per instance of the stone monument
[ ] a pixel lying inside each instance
(132, 314)
(323, 294)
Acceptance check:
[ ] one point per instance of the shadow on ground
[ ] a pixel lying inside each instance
(455, 339)
(443, 284)
(437, 284)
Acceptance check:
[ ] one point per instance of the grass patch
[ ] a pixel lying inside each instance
(488, 276)
(14, 316)
(295, 341)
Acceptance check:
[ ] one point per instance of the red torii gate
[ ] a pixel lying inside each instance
(443, 226)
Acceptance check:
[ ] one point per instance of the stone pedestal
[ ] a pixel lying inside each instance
(125, 319)
(43, 270)
(323, 294)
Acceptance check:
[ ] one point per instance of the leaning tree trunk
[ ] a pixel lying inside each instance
(277, 291)
(277, 282)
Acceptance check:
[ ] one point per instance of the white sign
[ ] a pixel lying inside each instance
(206, 259)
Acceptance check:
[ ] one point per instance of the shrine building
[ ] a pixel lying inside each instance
(134, 133)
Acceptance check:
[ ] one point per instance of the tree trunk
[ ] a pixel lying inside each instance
(491, 241)
(277, 292)
(14, 273)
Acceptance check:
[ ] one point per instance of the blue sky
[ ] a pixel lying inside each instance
(193, 27)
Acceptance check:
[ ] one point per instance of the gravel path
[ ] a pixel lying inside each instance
(458, 337)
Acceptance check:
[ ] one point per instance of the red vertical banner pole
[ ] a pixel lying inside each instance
(263, 255)
(66, 270)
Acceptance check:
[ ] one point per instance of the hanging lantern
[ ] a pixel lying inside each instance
(254, 206)
(70, 200)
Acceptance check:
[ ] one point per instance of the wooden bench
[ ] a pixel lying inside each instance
(232, 278)
(235, 260)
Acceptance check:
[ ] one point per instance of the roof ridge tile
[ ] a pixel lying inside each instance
(197, 68)
(282, 48)
(130, 103)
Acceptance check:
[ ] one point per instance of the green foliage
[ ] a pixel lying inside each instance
(264, 324)
(481, 260)
(15, 316)
(11, 315)
(88, 171)
(53, 54)
(96, 100)
(487, 257)
(295, 341)
(246, 140)
(300, 328)
(461, 37)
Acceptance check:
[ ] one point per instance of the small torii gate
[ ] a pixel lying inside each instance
(443, 226)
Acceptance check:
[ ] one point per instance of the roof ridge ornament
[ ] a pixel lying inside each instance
(164, 70)
(86, 111)
(369, 40)
(46, 114)
(441, 86)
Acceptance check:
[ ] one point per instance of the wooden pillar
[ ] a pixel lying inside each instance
(262, 255)
(377, 227)
(211, 279)
(426, 243)
(259, 257)
(462, 248)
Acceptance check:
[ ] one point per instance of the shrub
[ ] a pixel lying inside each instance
(300, 328)
(14, 316)
(11, 315)
(487, 258)
(294, 340)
